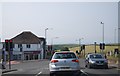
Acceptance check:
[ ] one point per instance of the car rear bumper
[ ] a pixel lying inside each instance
(64, 68)
(99, 65)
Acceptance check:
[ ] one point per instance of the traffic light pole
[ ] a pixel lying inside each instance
(95, 47)
(9, 55)
(8, 49)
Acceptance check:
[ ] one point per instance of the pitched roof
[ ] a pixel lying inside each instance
(26, 37)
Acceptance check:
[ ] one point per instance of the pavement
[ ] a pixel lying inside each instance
(111, 63)
(17, 62)
(7, 69)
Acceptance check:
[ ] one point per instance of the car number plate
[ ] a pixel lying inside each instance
(100, 64)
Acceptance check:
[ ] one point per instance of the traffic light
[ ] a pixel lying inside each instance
(83, 47)
(6, 45)
(102, 46)
(11, 45)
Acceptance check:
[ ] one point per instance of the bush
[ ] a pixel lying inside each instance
(65, 49)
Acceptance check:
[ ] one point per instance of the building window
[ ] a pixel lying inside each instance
(19, 45)
(28, 45)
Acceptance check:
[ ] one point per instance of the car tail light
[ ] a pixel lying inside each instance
(75, 61)
(54, 61)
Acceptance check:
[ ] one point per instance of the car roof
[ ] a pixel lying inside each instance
(65, 52)
(95, 54)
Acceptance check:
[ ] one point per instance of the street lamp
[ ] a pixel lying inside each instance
(119, 36)
(52, 44)
(79, 44)
(103, 37)
(46, 34)
(115, 35)
(45, 42)
(103, 31)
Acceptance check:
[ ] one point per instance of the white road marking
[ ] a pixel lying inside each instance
(83, 72)
(38, 73)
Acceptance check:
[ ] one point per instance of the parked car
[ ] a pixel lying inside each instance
(64, 62)
(96, 61)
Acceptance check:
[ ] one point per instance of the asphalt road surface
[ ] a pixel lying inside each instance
(40, 68)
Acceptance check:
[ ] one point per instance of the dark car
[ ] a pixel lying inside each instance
(96, 61)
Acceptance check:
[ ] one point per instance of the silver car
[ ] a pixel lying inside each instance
(64, 62)
(96, 61)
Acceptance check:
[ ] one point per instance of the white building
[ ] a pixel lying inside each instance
(27, 46)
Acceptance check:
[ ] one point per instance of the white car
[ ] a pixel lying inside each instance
(64, 62)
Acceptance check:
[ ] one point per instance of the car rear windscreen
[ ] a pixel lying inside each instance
(96, 56)
(64, 55)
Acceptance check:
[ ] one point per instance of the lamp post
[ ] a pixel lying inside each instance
(46, 34)
(115, 35)
(118, 36)
(52, 43)
(80, 44)
(102, 36)
(45, 43)
(103, 31)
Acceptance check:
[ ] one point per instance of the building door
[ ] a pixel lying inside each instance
(27, 57)
(31, 56)
(36, 56)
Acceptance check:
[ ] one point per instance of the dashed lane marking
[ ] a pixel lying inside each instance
(84, 72)
(38, 73)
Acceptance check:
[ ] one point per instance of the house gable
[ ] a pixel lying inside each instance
(26, 37)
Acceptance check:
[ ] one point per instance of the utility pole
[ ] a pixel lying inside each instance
(80, 50)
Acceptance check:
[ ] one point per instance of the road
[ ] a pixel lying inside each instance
(40, 68)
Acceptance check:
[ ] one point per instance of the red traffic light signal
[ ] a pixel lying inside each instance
(8, 45)
(10, 40)
(11, 45)
(6, 41)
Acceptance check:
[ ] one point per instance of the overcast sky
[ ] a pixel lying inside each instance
(67, 20)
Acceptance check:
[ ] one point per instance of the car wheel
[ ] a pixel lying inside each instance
(89, 66)
(52, 74)
(106, 67)
(85, 66)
